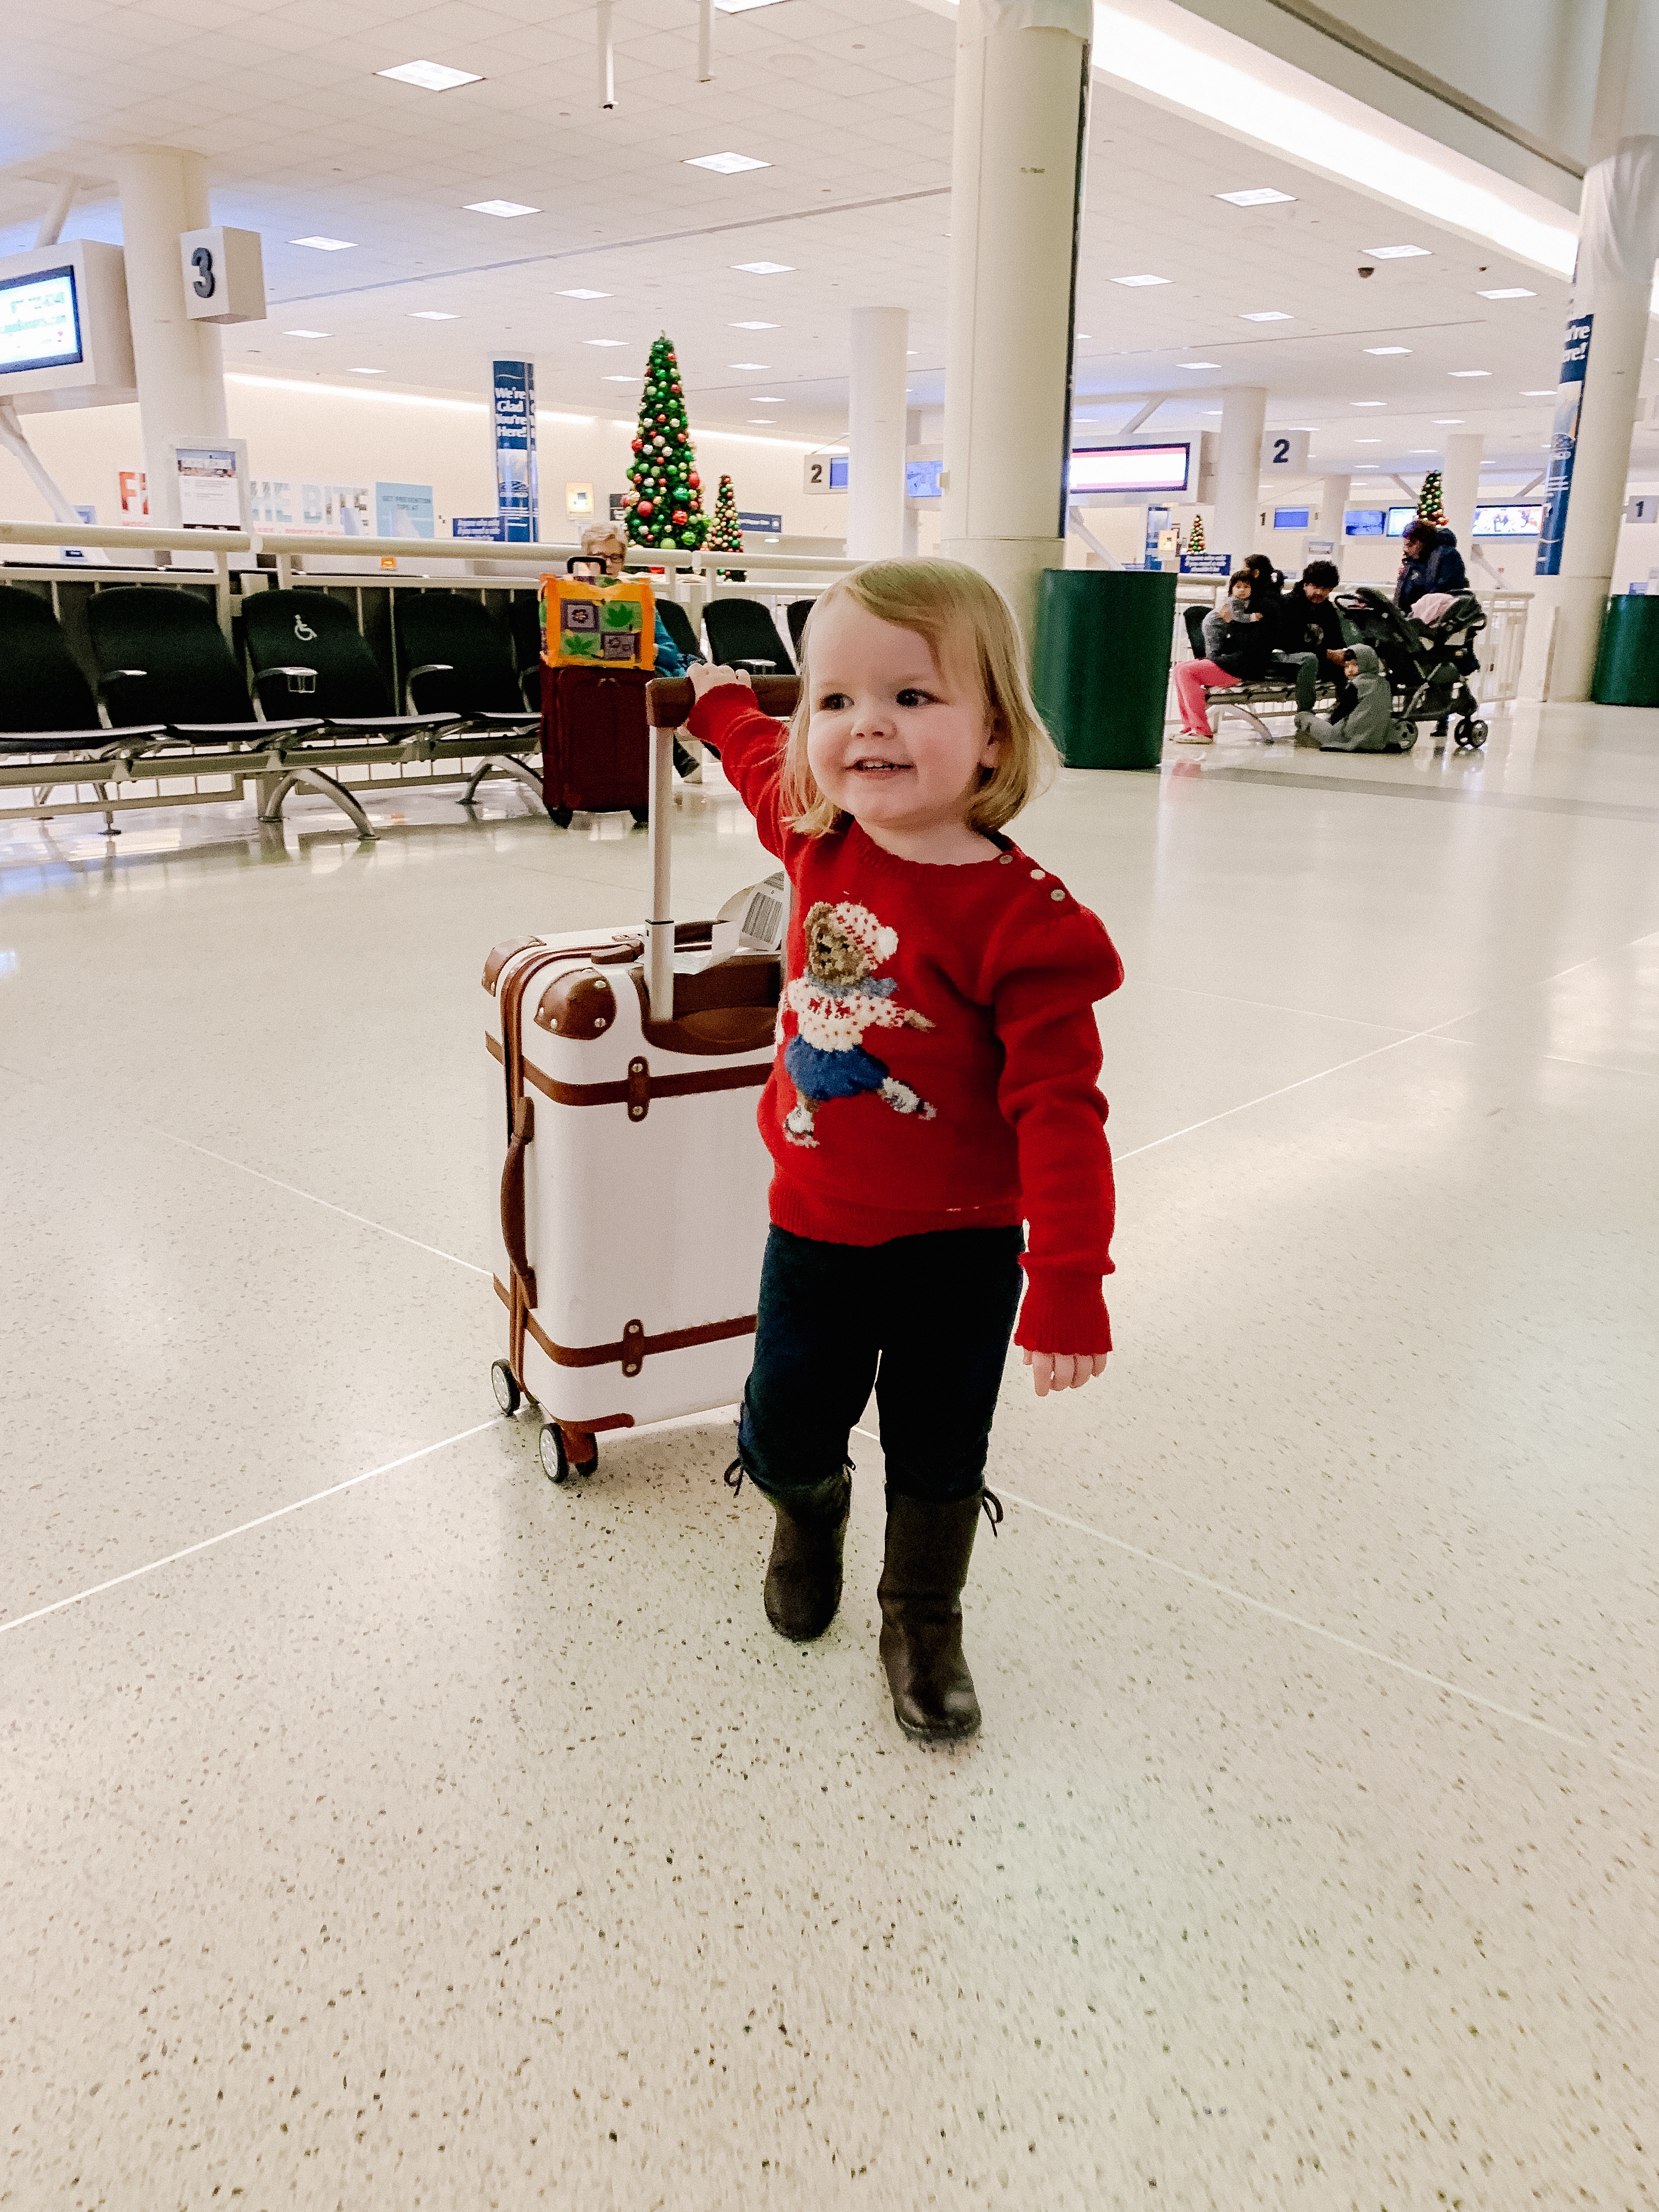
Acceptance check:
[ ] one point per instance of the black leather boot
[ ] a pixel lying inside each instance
(928, 1548)
(803, 1576)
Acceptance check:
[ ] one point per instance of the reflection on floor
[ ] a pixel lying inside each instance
(383, 1826)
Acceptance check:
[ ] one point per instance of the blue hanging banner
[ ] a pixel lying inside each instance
(515, 413)
(1564, 446)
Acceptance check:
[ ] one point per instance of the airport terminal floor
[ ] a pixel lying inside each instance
(393, 1827)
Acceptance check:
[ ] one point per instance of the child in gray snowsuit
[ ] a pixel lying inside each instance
(1370, 726)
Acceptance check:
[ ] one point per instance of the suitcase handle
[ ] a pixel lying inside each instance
(524, 1128)
(669, 698)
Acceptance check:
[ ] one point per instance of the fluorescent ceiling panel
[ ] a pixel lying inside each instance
(1509, 292)
(755, 326)
(325, 245)
(432, 315)
(499, 207)
(1267, 315)
(1260, 196)
(1383, 350)
(1396, 252)
(763, 269)
(724, 165)
(431, 77)
(1139, 280)
(305, 334)
(582, 292)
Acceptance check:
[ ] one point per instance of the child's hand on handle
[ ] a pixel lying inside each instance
(704, 678)
(1064, 1371)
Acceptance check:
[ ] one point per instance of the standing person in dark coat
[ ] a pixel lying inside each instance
(1431, 562)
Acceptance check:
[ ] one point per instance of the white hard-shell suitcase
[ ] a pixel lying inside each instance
(633, 1176)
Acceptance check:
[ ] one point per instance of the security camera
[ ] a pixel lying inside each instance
(1366, 269)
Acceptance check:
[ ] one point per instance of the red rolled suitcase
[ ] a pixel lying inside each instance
(595, 742)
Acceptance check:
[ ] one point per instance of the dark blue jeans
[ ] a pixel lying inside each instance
(925, 1319)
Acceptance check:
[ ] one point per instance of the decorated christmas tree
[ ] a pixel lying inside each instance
(1196, 543)
(725, 532)
(665, 492)
(1429, 508)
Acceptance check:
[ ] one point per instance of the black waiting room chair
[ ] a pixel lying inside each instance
(308, 654)
(458, 659)
(742, 634)
(795, 614)
(47, 711)
(678, 623)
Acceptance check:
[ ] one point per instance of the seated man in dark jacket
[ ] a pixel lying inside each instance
(1431, 562)
(1307, 634)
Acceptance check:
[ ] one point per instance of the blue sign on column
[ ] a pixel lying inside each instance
(1564, 446)
(515, 450)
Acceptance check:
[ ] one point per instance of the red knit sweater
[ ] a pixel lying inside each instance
(944, 1031)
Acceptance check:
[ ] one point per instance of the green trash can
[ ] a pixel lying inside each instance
(1101, 670)
(1627, 663)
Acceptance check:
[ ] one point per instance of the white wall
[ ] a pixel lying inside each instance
(323, 434)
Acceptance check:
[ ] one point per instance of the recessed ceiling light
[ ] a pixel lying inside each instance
(499, 207)
(1368, 464)
(368, 372)
(742, 7)
(1267, 315)
(431, 77)
(1422, 449)
(605, 342)
(751, 366)
(765, 399)
(432, 315)
(1550, 394)
(1198, 364)
(619, 378)
(1509, 292)
(754, 326)
(1259, 196)
(1393, 252)
(307, 334)
(1212, 410)
(1469, 372)
(325, 245)
(1368, 403)
(763, 418)
(1135, 280)
(1368, 441)
(723, 165)
(582, 292)
(1448, 422)
(1381, 349)
(763, 269)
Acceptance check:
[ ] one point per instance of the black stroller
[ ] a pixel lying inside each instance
(1429, 666)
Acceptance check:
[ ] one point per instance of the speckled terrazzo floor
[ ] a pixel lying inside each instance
(415, 1834)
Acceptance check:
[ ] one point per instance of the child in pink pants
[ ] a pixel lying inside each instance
(1227, 640)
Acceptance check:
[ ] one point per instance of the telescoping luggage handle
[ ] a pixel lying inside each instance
(668, 701)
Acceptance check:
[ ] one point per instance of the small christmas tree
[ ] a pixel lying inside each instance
(725, 532)
(665, 495)
(1196, 543)
(1429, 508)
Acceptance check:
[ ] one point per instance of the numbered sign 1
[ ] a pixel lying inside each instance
(1285, 453)
(224, 276)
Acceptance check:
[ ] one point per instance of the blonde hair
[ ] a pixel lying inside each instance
(965, 621)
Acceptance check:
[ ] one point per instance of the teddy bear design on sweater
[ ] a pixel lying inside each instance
(837, 998)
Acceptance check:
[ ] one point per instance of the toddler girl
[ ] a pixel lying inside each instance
(935, 1087)
(1236, 639)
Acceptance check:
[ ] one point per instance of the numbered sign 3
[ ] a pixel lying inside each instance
(224, 276)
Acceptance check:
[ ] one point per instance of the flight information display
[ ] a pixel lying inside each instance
(1128, 468)
(39, 321)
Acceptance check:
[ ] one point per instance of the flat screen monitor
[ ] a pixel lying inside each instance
(1398, 519)
(1508, 522)
(1291, 518)
(921, 479)
(838, 472)
(1365, 521)
(39, 321)
(1129, 468)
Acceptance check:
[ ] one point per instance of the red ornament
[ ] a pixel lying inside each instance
(639, 444)
(662, 418)
(696, 481)
(679, 518)
(645, 506)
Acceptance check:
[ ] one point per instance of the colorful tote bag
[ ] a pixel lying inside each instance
(588, 625)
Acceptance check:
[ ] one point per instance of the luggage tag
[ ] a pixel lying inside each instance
(595, 625)
(754, 920)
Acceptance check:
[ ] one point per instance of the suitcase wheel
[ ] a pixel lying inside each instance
(640, 814)
(561, 815)
(556, 1465)
(505, 1383)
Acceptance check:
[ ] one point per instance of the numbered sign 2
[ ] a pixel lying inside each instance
(1285, 453)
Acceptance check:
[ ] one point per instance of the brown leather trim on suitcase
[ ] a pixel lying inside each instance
(633, 1349)
(499, 957)
(638, 1091)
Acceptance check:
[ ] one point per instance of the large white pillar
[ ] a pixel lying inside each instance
(1333, 509)
(1460, 486)
(179, 367)
(1015, 192)
(877, 418)
(1238, 471)
(1612, 283)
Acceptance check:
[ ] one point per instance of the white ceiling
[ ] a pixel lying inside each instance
(850, 103)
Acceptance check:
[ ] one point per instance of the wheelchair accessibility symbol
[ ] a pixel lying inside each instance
(303, 630)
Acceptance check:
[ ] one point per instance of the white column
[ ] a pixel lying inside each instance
(1016, 190)
(1238, 471)
(1333, 506)
(876, 421)
(1618, 242)
(1460, 486)
(180, 372)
